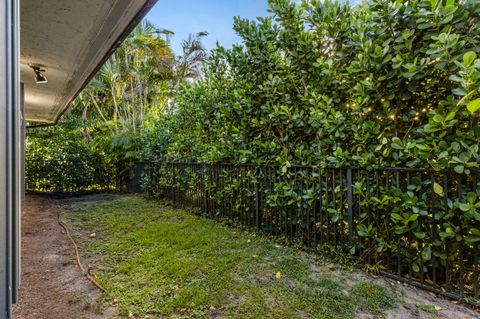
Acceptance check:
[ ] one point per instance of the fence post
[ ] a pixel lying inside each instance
(205, 191)
(173, 185)
(150, 176)
(257, 201)
(350, 205)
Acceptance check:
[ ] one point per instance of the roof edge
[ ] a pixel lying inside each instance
(133, 23)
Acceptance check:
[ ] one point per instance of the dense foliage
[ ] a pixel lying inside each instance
(102, 131)
(388, 83)
(59, 159)
(385, 83)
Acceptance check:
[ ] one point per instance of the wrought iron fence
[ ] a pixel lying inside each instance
(420, 226)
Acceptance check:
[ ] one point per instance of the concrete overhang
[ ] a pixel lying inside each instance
(70, 39)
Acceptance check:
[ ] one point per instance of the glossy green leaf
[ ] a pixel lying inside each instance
(438, 189)
(474, 106)
(469, 57)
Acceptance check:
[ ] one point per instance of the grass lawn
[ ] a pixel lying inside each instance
(157, 262)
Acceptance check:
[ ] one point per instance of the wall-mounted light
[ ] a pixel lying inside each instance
(39, 77)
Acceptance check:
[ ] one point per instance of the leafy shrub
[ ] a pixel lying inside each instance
(60, 159)
(389, 83)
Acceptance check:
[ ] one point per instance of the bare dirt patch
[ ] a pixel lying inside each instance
(52, 286)
(411, 302)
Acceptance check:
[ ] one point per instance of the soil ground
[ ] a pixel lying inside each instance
(52, 285)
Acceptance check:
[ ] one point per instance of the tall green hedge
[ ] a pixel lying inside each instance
(388, 83)
(60, 159)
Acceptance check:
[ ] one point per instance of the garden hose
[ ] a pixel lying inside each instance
(79, 262)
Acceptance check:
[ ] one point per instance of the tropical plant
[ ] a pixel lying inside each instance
(387, 83)
(130, 93)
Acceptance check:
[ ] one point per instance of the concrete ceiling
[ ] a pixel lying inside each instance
(70, 39)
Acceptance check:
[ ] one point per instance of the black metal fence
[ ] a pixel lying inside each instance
(416, 225)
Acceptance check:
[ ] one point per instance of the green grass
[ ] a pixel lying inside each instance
(372, 297)
(161, 262)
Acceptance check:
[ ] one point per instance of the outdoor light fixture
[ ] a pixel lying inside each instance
(39, 77)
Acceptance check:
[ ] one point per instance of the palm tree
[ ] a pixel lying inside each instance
(139, 81)
(188, 63)
(130, 82)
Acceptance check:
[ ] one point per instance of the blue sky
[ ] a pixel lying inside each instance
(215, 16)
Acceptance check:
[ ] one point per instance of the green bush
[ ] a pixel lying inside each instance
(60, 159)
(388, 83)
